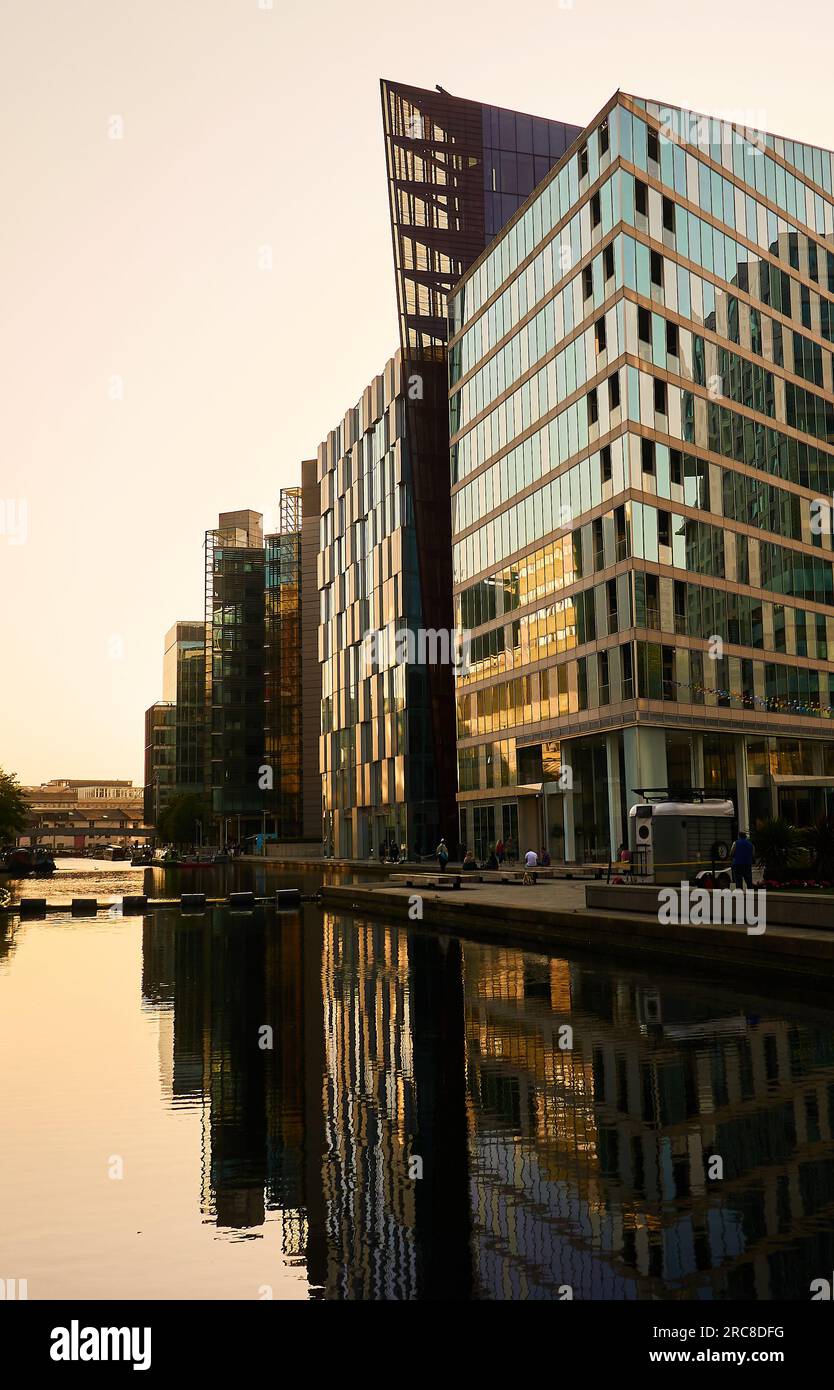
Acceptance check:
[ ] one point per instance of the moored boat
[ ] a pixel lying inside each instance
(44, 863)
(17, 861)
(166, 858)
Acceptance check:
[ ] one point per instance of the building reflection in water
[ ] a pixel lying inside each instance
(590, 1166)
(419, 1129)
(224, 977)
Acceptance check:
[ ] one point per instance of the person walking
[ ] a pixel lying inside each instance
(442, 855)
(510, 850)
(499, 851)
(741, 858)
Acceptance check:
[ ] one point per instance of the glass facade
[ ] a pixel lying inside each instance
(160, 758)
(235, 577)
(283, 668)
(184, 685)
(242, 688)
(456, 170)
(642, 427)
(376, 753)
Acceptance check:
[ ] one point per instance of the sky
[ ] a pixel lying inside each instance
(156, 155)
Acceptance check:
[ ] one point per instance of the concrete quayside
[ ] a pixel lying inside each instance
(798, 937)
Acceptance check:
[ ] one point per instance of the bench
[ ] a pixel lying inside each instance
(437, 880)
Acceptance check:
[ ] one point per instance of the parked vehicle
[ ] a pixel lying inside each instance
(113, 852)
(143, 856)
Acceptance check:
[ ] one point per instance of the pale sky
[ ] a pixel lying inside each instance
(137, 259)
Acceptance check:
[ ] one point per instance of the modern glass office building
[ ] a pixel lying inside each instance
(263, 682)
(376, 752)
(292, 677)
(457, 169)
(235, 687)
(184, 686)
(160, 758)
(642, 430)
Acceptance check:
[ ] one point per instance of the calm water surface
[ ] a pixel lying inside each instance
(416, 1129)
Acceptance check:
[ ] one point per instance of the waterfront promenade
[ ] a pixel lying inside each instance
(555, 912)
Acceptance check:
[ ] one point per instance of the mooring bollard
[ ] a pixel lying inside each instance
(244, 902)
(32, 907)
(196, 902)
(288, 897)
(84, 907)
(133, 904)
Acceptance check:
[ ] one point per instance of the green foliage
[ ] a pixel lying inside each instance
(14, 809)
(778, 846)
(177, 823)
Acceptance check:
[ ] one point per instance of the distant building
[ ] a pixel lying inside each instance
(262, 676)
(184, 685)
(160, 758)
(72, 813)
(292, 677)
(235, 687)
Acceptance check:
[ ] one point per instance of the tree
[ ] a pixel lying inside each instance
(14, 809)
(778, 846)
(177, 823)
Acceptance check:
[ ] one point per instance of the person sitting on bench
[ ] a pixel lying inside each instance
(531, 860)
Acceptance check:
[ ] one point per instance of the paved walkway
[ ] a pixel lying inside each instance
(557, 895)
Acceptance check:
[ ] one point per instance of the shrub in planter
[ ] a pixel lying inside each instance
(778, 847)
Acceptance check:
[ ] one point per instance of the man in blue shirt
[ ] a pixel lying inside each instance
(741, 857)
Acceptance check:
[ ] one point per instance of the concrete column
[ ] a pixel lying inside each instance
(645, 761)
(742, 786)
(697, 760)
(569, 823)
(615, 816)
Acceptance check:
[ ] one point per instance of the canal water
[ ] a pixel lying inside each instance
(308, 1105)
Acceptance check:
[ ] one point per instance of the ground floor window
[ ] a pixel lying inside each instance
(483, 831)
(509, 826)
